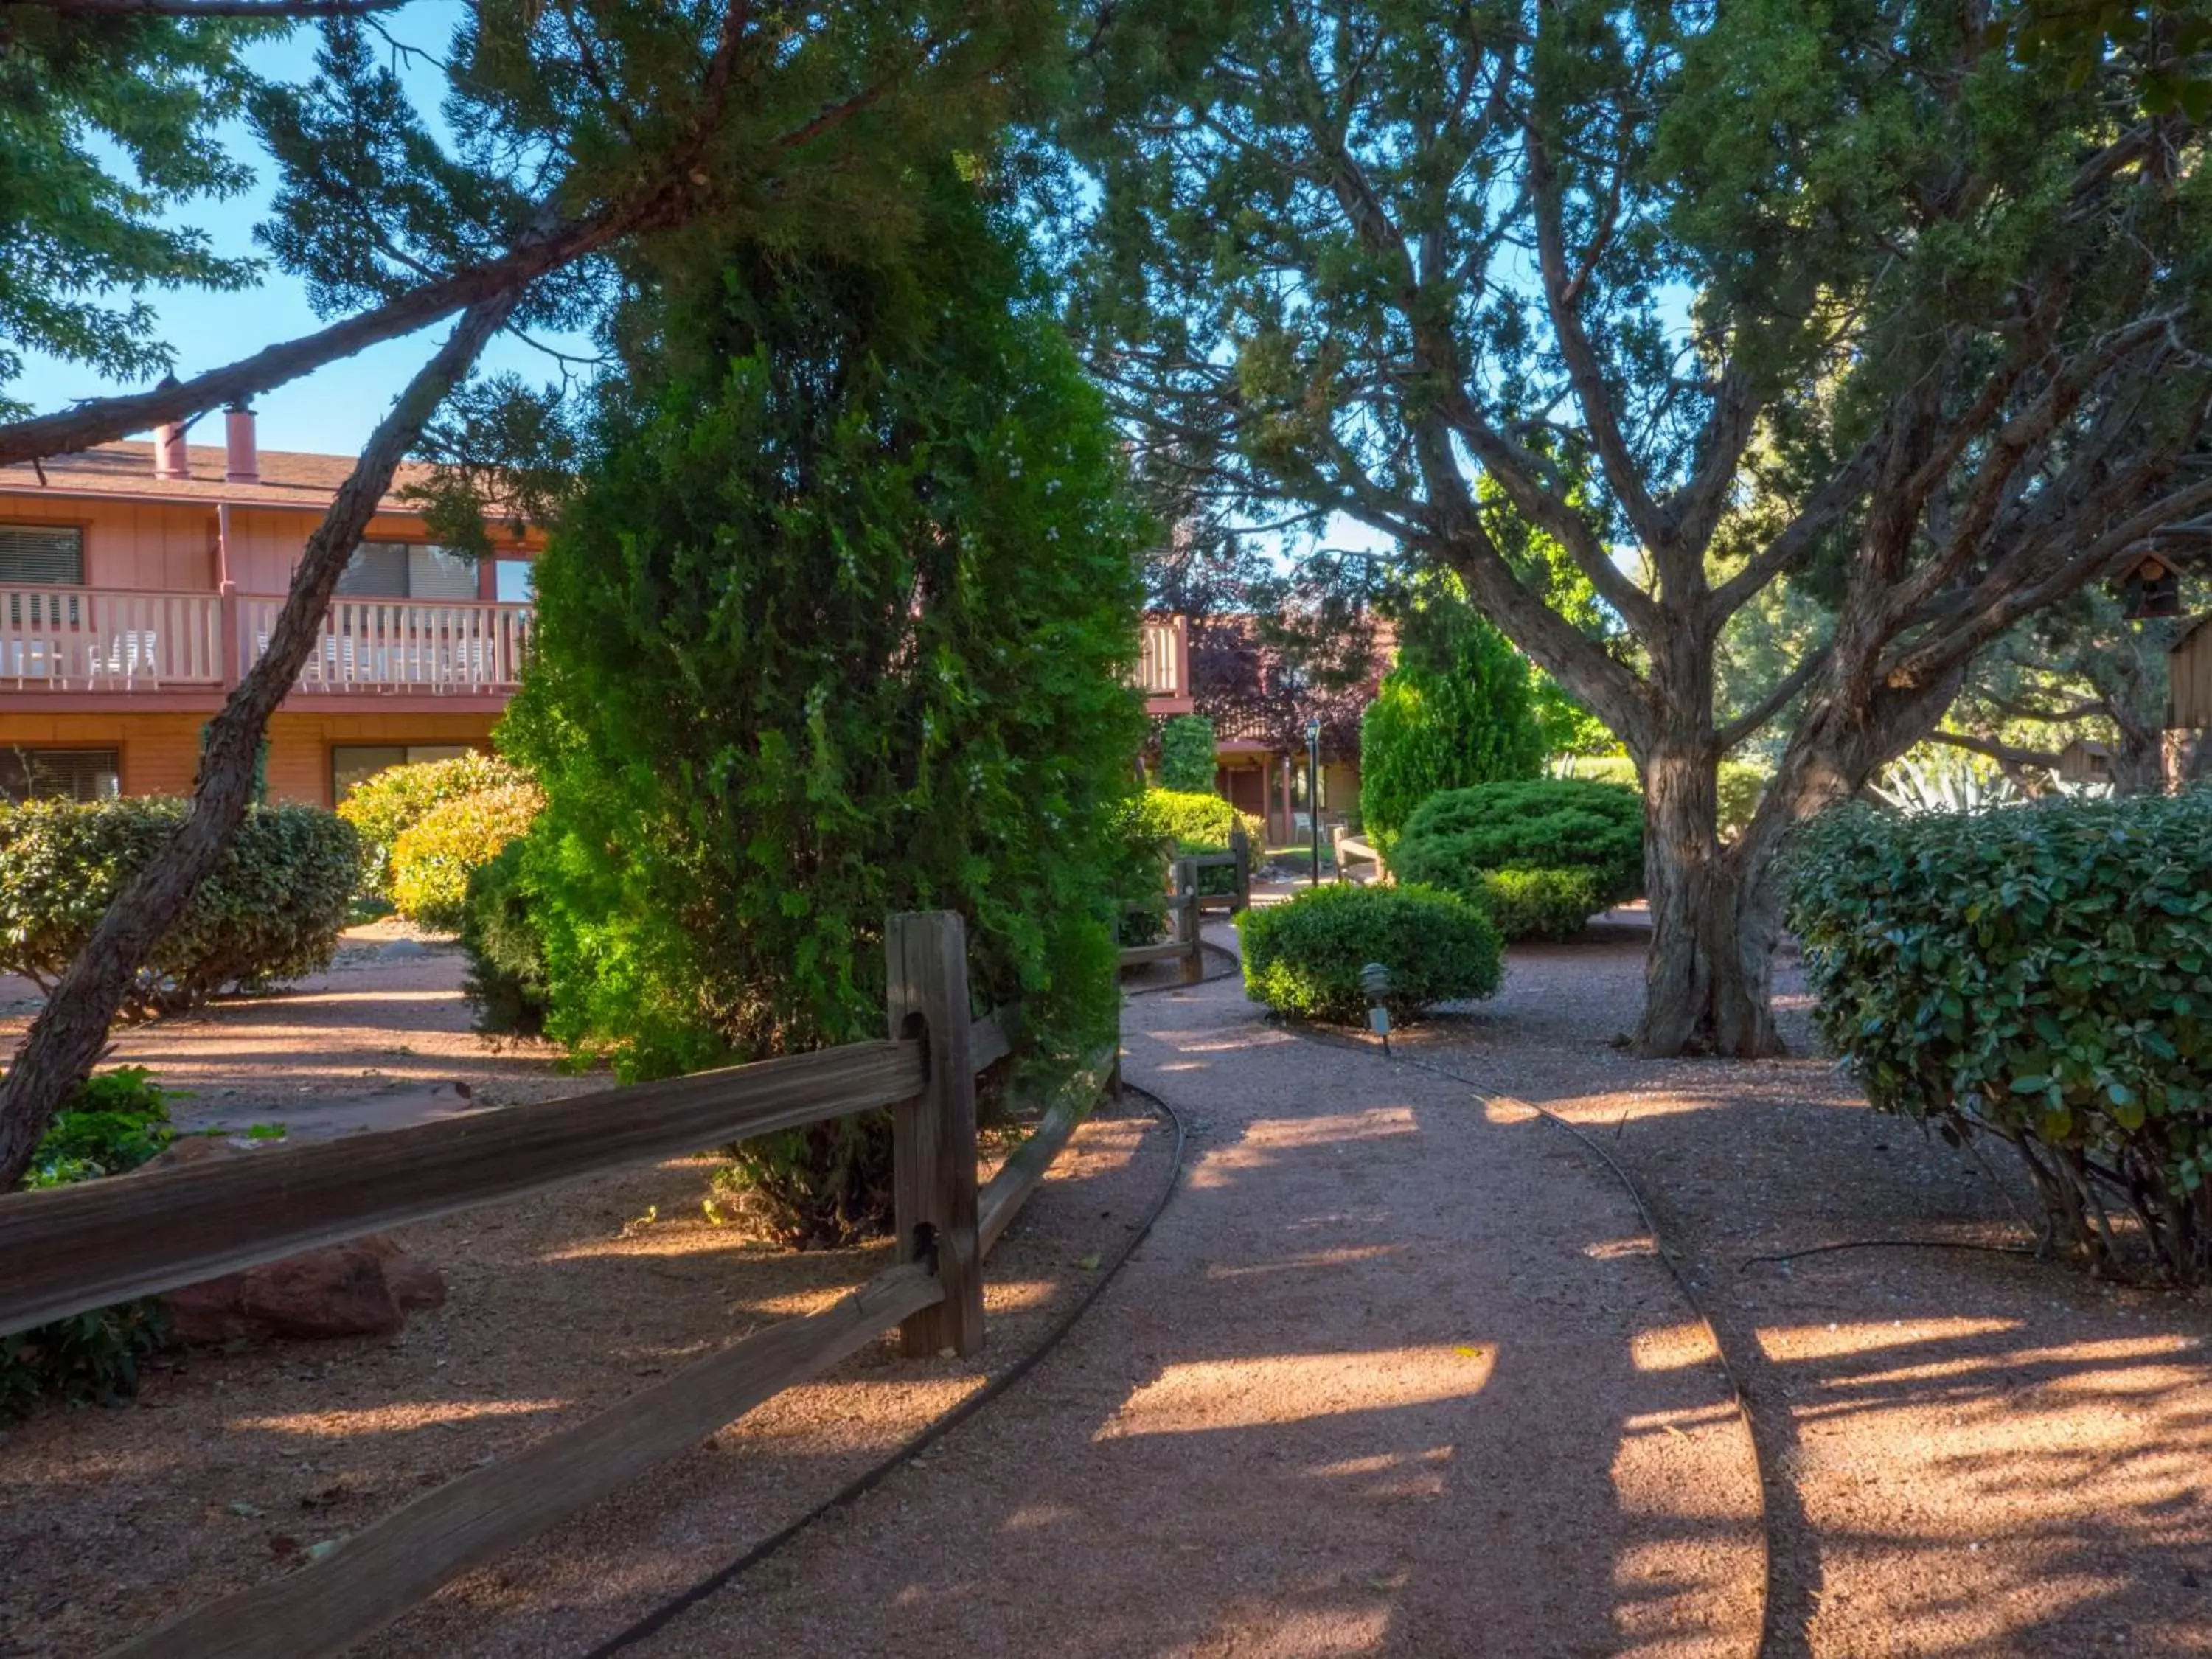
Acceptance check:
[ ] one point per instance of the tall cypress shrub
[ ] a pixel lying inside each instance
(1456, 711)
(843, 622)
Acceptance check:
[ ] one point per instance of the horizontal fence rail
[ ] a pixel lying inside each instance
(75, 1247)
(405, 645)
(69, 1248)
(85, 639)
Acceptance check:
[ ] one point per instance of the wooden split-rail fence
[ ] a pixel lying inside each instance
(1186, 906)
(72, 1248)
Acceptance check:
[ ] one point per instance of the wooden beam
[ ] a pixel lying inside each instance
(382, 1571)
(73, 1247)
(934, 1132)
(1002, 1198)
(991, 1038)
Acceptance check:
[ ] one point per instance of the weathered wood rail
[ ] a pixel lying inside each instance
(76, 1247)
(1186, 906)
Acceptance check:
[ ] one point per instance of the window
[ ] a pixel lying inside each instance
(41, 555)
(407, 571)
(60, 774)
(353, 763)
(515, 581)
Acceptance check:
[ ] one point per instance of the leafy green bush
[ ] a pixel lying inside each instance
(2042, 973)
(271, 911)
(1454, 838)
(1456, 711)
(113, 1121)
(435, 856)
(839, 621)
(1537, 904)
(1186, 763)
(506, 947)
(1196, 822)
(385, 806)
(1303, 957)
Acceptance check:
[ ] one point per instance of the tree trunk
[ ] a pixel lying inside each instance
(1715, 918)
(71, 1031)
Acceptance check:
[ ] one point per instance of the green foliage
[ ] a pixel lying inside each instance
(1740, 784)
(271, 911)
(1196, 822)
(505, 947)
(112, 122)
(435, 855)
(385, 806)
(2041, 973)
(1542, 824)
(1186, 763)
(1456, 711)
(1536, 904)
(113, 1121)
(1303, 957)
(840, 622)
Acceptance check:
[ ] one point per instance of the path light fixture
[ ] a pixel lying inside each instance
(1313, 792)
(1375, 979)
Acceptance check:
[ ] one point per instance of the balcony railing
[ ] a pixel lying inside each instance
(94, 640)
(405, 645)
(83, 639)
(1163, 658)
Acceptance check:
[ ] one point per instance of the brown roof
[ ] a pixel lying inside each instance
(124, 472)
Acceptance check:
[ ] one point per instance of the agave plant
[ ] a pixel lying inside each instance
(1917, 790)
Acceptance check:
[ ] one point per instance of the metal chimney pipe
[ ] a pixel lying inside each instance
(241, 463)
(170, 460)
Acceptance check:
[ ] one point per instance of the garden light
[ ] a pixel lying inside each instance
(1375, 979)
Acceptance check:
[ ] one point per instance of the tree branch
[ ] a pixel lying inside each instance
(245, 8)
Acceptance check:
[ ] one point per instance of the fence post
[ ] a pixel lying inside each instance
(1194, 959)
(933, 1136)
(1240, 844)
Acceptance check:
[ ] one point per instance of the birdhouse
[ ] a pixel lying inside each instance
(2082, 761)
(2151, 588)
(2189, 678)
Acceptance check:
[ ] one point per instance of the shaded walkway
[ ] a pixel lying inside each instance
(1390, 1377)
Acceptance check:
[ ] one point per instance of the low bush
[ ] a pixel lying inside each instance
(2040, 974)
(1303, 957)
(1741, 784)
(271, 911)
(1537, 904)
(1187, 763)
(505, 946)
(112, 1122)
(1196, 822)
(385, 806)
(1455, 839)
(435, 856)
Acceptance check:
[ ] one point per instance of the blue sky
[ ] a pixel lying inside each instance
(333, 408)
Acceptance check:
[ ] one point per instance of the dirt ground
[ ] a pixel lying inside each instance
(1396, 1373)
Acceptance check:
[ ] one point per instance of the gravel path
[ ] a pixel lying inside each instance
(1391, 1376)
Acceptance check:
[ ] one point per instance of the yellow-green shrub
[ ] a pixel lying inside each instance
(433, 859)
(384, 807)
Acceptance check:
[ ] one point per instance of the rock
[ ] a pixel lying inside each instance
(363, 1287)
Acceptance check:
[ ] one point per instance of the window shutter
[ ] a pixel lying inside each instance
(41, 555)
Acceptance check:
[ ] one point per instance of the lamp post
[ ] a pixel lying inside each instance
(1313, 790)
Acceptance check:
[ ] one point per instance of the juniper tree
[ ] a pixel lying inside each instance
(1835, 299)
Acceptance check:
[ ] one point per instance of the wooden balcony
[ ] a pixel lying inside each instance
(115, 646)
(1163, 665)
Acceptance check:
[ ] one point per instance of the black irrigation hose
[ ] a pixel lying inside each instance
(1750, 1261)
(1674, 1267)
(662, 1616)
(1159, 990)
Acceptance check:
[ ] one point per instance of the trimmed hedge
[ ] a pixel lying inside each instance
(434, 857)
(1456, 839)
(1187, 763)
(112, 1122)
(1195, 822)
(2042, 973)
(506, 947)
(271, 911)
(1538, 905)
(385, 806)
(1303, 957)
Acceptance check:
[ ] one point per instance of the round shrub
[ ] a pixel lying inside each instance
(1195, 821)
(506, 946)
(385, 806)
(1303, 957)
(271, 911)
(1538, 823)
(434, 857)
(1531, 904)
(1186, 763)
(2041, 973)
